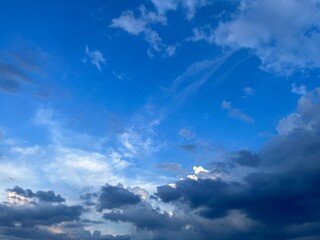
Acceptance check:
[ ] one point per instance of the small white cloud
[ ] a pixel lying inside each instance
(186, 133)
(236, 113)
(202, 173)
(129, 23)
(248, 91)
(171, 50)
(95, 57)
(199, 169)
(301, 90)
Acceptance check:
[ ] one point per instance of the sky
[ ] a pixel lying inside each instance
(160, 119)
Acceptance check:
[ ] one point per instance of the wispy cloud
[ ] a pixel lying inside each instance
(300, 90)
(142, 26)
(190, 6)
(235, 112)
(95, 57)
(21, 67)
(284, 42)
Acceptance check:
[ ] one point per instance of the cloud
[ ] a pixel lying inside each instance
(95, 57)
(186, 133)
(170, 166)
(189, 147)
(143, 216)
(280, 195)
(235, 112)
(190, 6)
(283, 42)
(115, 197)
(301, 90)
(307, 115)
(43, 208)
(248, 91)
(246, 158)
(48, 196)
(20, 67)
(142, 26)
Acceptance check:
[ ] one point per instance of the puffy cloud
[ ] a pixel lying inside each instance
(283, 34)
(27, 209)
(143, 216)
(236, 113)
(246, 158)
(115, 197)
(48, 196)
(280, 195)
(307, 116)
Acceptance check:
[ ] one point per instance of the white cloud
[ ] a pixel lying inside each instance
(284, 34)
(141, 26)
(202, 173)
(248, 91)
(135, 145)
(236, 113)
(301, 90)
(190, 6)
(95, 57)
(129, 23)
(26, 150)
(78, 167)
(186, 133)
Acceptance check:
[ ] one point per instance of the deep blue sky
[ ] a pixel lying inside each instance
(198, 94)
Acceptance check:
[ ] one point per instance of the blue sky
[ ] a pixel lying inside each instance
(162, 97)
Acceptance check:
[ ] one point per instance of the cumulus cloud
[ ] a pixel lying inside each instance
(283, 34)
(115, 197)
(307, 115)
(236, 113)
(246, 158)
(280, 195)
(48, 196)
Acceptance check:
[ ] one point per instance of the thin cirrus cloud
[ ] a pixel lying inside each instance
(236, 113)
(95, 57)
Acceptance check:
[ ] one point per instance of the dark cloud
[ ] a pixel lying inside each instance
(143, 216)
(116, 196)
(246, 158)
(170, 166)
(189, 147)
(19, 67)
(282, 193)
(48, 196)
(44, 214)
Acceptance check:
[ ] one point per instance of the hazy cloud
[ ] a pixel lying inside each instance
(235, 112)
